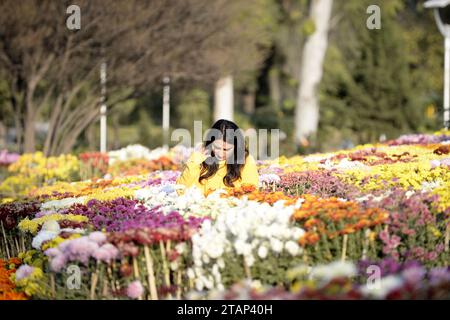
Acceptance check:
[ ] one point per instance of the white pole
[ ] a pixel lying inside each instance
(447, 83)
(103, 108)
(166, 112)
(223, 99)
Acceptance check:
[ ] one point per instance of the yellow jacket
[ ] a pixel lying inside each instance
(191, 173)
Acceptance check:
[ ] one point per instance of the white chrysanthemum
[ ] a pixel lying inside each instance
(298, 203)
(429, 186)
(199, 284)
(51, 225)
(190, 273)
(143, 193)
(377, 199)
(276, 245)
(43, 236)
(297, 233)
(239, 246)
(57, 205)
(215, 269)
(174, 265)
(245, 228)
(292, 247)
(135, 152)
(191, 202)
(380, 289)
(269, 178)
(208, 282)
(409, 193)
(316, 158)
(333, 270)
(205, 259)
(181, 247)
(250, 260)
(262, 252)
(344, 164)
(198, 262)
(256, 284)
(221, 263)
(72, 230)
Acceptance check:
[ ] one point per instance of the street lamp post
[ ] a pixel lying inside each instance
(441, 10)
(103, 108)
(166, 112)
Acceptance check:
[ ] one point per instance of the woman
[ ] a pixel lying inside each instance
(223, 162)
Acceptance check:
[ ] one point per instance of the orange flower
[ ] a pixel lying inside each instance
(348, 229)
(334, 217)
(309, 238)
(15, 261)
(329, 216)
(311, 222)
(363, 223)
(261, 196)
(13, 296)
(7, 287)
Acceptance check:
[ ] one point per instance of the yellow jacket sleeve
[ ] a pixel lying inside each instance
(191, 170)
(250, 174)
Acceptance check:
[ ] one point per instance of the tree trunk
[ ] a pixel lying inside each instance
(275, 87)
(16, 101)
(49, 139)
(19, 133)
(68, 140)
(307, 109)
(115, 132)
(249, 102)
(223, 99)
(29, 139)
(90, 137)
(3, 131)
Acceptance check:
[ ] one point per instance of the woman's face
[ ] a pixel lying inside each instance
(222, 149)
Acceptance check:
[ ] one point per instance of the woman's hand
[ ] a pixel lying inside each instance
(200, 148)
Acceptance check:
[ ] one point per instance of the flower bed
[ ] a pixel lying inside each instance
(138, 235)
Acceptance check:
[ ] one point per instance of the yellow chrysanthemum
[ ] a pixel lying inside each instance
(31, 226)
(57, 241)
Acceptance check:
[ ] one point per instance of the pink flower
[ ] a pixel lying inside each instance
(52, 252)
(440, 247)
(24, 271)
(106, 253)
(390, 243)
(98, 237)
(43, 213)
(135, 289)
(58, 263)
(408, 231)
(432, 255)
(435, 163)
(445, 162)
(81, 249)
(384, 235)
(414, 275)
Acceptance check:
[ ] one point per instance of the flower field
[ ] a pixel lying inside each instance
(116, 226)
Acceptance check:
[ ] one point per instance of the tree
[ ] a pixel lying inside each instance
(379, 81)
(223, 99)
(254, 22)
(307, 109)
(53, 72)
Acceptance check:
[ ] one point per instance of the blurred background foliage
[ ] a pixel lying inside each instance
(377, 83)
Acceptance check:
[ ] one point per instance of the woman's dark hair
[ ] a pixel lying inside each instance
(228, 132)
